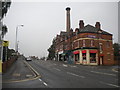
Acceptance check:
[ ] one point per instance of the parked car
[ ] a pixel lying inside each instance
(28, 59)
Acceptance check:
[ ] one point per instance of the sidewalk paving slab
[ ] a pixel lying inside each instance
(18, 71)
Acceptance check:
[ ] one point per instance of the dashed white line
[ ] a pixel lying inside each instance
(65, 65)
(40, 79)
(109, 84)
(73, 66)
(43, 82)
(75, 75)
(103, 73)
(57, 69)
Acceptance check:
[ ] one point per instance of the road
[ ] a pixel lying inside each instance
(56, 74)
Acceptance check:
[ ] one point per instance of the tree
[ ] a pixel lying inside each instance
(10, 52)
(116, 47)
(51, 51)
(5, 6)
(4, 30)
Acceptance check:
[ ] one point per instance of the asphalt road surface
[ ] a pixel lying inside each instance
(56, 74)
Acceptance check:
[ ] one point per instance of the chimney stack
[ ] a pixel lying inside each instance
(77, 31)
(68, 19)
(97, 25)
(81, 24)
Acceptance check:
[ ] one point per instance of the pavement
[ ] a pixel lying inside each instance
(18, 72)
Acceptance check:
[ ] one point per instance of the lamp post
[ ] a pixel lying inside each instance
(16, 43)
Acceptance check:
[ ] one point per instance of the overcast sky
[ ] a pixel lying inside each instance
(43, 20)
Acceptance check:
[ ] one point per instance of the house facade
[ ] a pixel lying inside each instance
(87, 45)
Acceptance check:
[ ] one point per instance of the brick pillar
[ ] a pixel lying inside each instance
(81, 24)
(81, 58)
(97, 25)
(88, 57)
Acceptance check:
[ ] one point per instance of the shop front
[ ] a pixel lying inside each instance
(93, 57)
(76, 57)
(68, 56)
(86, 56)
(60, 57)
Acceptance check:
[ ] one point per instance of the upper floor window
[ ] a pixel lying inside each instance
(108, 44)
(100, 34)
(76, 43)
(83, 43)
(100, 46)
(92, 43)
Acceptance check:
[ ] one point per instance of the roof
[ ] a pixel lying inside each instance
(91, 29)
(63, 33)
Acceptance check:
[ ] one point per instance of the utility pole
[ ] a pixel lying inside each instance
(16, 42)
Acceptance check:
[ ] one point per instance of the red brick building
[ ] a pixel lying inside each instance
(88, 45)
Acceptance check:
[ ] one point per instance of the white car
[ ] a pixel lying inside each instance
(28, 59)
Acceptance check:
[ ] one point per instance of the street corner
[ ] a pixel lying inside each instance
(116, 68)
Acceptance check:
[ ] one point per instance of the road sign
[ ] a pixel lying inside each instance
(5, 43)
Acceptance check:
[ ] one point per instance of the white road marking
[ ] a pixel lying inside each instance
(43, 82)
(57, 69)
(65, 65)
(73, 66)
(109, 84)
(76, 75)
(103, 73)
(40, 79)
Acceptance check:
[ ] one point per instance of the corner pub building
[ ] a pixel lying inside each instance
(88, 45)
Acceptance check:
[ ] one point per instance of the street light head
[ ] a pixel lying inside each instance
(22, 25)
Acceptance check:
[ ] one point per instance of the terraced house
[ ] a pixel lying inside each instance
(87, 45)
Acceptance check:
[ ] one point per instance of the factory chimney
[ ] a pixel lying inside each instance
(68, 19)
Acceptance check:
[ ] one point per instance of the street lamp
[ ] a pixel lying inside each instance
(16, 43)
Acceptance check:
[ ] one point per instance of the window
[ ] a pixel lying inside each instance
(109, 56)
(92, 43)
(61, 39)
(65, 46)
(83, 43)
(76, 44)
(92, 57)
(108, 44)
(100, 44)
(84, 56)
(76, 57)
(61, 47)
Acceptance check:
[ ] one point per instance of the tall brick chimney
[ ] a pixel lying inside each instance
(97, 25)
(81, 24)
(68, 19)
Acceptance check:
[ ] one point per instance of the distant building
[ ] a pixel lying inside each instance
(88, 45)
